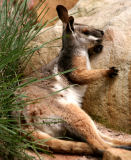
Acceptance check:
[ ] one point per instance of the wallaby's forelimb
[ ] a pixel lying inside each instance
(76, 118)
(83, 76)
(87, 76)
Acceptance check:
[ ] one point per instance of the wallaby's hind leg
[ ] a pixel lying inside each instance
(60, 146)
(76, 118)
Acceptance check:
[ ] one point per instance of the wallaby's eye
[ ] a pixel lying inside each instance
(95, 33)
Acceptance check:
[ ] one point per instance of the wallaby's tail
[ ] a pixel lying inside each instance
(60, 146)
(124, 147)
(116, 143)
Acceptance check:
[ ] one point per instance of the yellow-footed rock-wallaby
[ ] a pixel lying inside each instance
(78, 43)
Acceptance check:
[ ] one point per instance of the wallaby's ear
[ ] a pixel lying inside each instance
(70, 24)
(62, 13)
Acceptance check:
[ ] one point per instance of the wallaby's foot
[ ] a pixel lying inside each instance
(99, 150)
(113, 72)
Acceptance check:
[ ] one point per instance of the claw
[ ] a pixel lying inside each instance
(113, 72)
(98, 48)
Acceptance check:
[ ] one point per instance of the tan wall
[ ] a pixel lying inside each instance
(108, 101)
(52, 7)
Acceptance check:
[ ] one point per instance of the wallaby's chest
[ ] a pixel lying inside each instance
(84, 54)
(68, 94)
(71, 95)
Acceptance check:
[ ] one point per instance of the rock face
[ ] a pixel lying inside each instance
(117, 154)
(106, 100)
(48, 51)
(51, 4)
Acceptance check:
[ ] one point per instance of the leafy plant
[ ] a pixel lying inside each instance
(17, 28)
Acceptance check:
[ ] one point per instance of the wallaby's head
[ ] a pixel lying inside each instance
(79, 35)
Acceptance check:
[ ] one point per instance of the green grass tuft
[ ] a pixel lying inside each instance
(17, 28)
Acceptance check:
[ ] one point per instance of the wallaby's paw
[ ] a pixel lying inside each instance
(113, 72)
(95, 50)
(98, 48)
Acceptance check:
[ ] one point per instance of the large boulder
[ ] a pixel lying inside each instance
(50, 39)
(50, 5)
(107, 100)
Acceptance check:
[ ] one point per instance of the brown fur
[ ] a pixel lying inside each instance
(84, 76)
(62, 146)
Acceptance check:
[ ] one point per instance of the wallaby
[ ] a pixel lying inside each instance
(65, 106)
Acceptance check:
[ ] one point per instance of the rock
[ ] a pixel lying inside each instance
(117, 154)
(48, 51)
(107, 100)
(51, 4)
(58, 157)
